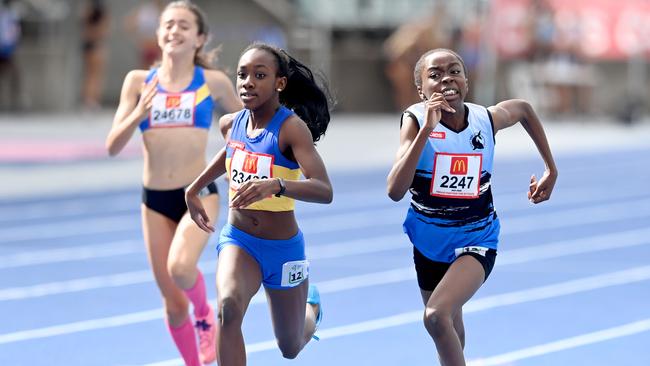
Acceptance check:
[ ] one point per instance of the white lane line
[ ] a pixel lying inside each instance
(76, 253)
(565, 344)
(340, 249)
(400, 274)
(340, 284)
(624, 277)
(589, 244)
(511, 225)
(367, 217)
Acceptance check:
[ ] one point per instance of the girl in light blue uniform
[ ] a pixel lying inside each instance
(445, 161)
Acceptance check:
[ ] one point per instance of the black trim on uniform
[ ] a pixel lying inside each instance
(401, 120)
(494, 133)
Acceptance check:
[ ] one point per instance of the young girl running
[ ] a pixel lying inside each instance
(270, 143)
(172, 105)
(445, 161)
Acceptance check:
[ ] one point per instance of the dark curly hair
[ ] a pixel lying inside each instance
(308, 97)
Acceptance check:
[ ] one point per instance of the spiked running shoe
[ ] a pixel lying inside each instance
(313, 297)
(207, 331)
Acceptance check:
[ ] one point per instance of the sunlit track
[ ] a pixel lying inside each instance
(77, 267)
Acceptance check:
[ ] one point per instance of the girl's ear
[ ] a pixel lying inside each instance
(421, 94)
(280, 83)
(201, 41)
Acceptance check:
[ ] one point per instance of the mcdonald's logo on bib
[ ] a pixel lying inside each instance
(173, 101)
(250, 164)
(458, 165)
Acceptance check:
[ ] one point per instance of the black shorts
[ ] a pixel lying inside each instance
(171, 203)
(430, 272)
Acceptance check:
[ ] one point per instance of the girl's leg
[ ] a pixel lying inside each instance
(238, 279)
(158, 232)
(443, 312)
(187, 246)
(293, 324)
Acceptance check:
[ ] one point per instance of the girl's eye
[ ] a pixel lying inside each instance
(455, 72)
(434, 75)
(241, 75)
(260, 75)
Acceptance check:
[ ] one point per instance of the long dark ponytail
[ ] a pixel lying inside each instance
(306, 95)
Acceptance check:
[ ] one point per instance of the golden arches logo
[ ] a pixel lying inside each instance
(458, 165)
(250, 164)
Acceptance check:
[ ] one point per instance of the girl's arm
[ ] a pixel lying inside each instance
(412, 142)
(316, 186)
(135, 102)
(214, 170)
(508, 113)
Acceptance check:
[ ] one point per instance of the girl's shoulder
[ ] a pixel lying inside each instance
(136, 78)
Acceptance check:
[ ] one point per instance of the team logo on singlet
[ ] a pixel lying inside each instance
(478, 143)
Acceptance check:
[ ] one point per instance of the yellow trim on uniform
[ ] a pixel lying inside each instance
(202, 93)
(272, 203)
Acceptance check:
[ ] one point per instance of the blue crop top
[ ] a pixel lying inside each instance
(191, 107)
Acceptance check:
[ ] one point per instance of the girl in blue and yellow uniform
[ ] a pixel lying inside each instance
(172, 104)
(445, 161)
(270, 144)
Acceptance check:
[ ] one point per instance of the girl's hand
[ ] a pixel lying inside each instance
(197, 212)
(254, 190)
(540, 191)
(147, 93)
(433, 107)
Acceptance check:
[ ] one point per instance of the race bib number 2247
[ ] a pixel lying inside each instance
(456, 175)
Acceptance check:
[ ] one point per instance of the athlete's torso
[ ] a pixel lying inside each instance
(452, 180)
(260, 157)
(175, 134)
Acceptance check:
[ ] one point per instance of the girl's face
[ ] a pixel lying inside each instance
(444, 73)
(178, 32)
(257, 80)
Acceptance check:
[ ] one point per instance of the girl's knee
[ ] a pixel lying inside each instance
(437, 320)
(231, 311)
(290, 348)
(182, 273)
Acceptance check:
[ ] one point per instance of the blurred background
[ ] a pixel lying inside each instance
(573, 273)
(569, 58)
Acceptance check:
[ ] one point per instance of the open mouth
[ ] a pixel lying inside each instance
(450, 94)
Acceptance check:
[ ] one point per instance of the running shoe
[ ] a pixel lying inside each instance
(207, 331)
(313, 297)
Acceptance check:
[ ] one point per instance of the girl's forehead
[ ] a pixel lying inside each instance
(177, 13)
(257, 57)
(441, 58)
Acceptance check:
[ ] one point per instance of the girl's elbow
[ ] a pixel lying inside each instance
(395, 194)
(329, 196)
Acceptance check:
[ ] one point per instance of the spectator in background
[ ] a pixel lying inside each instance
(403, 48)
(142, 23)
(10, 88)
(95, 25)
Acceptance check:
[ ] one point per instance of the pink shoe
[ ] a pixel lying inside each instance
(207, 337)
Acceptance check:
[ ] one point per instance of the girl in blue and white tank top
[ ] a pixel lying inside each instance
(445, 160)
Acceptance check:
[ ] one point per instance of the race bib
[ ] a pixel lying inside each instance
(172, 110)
(246, 165)
(456, 175)
(478, 250)
(294, 272)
